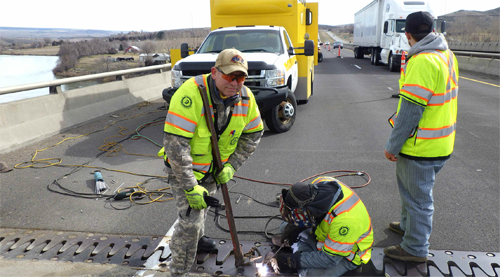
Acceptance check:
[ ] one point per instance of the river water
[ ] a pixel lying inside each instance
(21, 70)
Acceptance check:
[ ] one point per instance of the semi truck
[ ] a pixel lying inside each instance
(379, 30)
(274, 37)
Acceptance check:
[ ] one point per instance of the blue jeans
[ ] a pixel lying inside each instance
(415, 181)
(307, 243)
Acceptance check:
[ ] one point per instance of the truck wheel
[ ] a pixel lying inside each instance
(320, 57)
(376, 57)
(281, 117)
(361, 53)
(392, 65)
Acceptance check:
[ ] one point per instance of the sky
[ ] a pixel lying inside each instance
(156, 15)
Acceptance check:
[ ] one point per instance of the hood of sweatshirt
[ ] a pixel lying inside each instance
(433, 41)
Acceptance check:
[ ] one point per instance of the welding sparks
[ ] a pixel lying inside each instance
(262, 269)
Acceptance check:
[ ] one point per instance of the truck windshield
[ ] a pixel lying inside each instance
(243, 40)
(400, 25)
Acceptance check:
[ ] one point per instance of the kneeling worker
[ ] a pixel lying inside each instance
(327, 226)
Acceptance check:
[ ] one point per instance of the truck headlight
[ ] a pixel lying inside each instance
(176, 78)
(275, 78)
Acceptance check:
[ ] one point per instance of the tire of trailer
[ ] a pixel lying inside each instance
(361, 53)
(280, 118)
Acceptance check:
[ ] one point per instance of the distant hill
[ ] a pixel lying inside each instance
(472, 26)
(52, 33)
(461, 26)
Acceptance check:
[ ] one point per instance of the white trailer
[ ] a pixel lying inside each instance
(379, 30)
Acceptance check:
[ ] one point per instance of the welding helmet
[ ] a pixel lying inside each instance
(293, 202)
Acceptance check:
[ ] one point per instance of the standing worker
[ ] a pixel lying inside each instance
(327, 226)
(423, 134)
(188, 153)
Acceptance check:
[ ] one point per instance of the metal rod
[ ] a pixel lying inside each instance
(238, 255)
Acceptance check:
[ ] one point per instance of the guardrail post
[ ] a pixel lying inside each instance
(55, 89)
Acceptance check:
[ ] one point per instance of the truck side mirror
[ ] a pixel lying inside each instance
(184, 50)
(443, 27)
(309, 17)
(309, 47)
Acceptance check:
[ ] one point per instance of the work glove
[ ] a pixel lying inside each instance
(226, 174)
(288, 262)
(291, 233)
(195, 197)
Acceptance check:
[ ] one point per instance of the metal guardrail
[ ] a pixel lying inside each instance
(477, 54)
(56, 83)
(492, 47)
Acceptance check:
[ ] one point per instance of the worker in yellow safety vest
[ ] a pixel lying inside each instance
(188, 153)
(423, 134)
(327, 227)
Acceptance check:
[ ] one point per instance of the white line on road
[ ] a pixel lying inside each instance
(389, 88)
(357, 66)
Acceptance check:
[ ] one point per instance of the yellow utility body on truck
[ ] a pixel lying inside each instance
(274, 36)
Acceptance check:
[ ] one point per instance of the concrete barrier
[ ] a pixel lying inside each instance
(483, 65)
(26, 121)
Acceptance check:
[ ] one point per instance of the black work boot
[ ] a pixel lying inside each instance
(396, 228)
(206, 244)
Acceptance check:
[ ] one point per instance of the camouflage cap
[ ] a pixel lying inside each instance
(231, 60)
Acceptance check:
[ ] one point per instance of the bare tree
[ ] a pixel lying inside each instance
(149, 48)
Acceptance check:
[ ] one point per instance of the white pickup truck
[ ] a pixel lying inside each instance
(272, 68)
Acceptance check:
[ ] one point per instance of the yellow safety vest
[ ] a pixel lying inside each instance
(347, 229)
(432, 83)
(186, 118)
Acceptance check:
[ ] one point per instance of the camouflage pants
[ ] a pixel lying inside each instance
(188, 229)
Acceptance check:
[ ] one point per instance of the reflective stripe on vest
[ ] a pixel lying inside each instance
(345, 205)
(181, 122)
(254, 123)
(436, 133)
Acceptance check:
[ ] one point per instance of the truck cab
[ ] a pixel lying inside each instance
(379, 30)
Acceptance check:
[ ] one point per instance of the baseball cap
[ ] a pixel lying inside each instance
(414, 20)
(231, 60)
